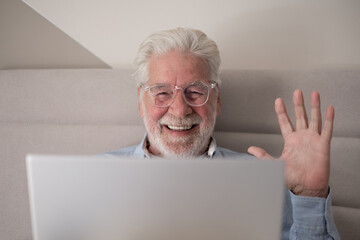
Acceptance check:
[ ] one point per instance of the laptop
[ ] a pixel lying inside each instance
(108, 198)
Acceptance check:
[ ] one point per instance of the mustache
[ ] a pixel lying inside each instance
(188, 120)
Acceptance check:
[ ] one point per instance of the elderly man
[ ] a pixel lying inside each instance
(179, 100)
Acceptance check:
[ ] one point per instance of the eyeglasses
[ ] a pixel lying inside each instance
(195, 94)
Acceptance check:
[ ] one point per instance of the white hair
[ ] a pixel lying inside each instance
(184, 40)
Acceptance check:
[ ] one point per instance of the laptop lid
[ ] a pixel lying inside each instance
(83, 197)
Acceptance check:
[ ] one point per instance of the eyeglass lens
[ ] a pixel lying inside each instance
(195, 94)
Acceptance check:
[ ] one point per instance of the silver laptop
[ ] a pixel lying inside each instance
(83, 197)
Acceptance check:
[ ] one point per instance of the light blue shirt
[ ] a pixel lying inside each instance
(303, 217)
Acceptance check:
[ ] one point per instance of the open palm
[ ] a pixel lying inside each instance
(306, 150)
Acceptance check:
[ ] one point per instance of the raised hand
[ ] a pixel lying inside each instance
(306, 150)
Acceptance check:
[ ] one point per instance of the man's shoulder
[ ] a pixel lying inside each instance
(227, 153)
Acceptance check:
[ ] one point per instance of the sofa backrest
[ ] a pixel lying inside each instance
(89, 111)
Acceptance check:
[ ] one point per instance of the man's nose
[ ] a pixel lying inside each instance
(179, 107)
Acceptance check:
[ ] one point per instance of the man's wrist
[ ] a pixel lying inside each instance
(312, 193)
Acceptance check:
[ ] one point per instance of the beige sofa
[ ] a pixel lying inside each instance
(92, 111)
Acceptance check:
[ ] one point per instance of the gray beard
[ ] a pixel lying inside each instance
(181, 147)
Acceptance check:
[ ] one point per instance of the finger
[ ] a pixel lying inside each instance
(259, 153)
(283, 118)
(315, 120)
(300, 112)
(328, 124)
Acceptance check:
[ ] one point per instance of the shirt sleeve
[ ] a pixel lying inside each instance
(312, 218)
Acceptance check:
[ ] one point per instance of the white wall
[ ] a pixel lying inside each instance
(27, 40)
(251, 34)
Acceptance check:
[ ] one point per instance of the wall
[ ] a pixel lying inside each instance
(261, 34)
(27, 40)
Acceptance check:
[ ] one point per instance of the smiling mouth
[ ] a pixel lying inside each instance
(180, 128)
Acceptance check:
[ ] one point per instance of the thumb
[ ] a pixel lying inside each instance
(259, 153)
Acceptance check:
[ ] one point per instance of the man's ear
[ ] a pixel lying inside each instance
(218, 109)
(140, 101)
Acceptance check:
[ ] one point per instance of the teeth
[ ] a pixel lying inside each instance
(179, 128)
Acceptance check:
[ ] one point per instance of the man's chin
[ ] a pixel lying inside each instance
(179, 153)
(182, 147)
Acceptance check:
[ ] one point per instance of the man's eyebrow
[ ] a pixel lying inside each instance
(160, 85)
(167, 85)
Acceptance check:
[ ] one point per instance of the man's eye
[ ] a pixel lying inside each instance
(162, 93)
(195, 93)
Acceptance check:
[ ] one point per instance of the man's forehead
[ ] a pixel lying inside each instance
(175, 66)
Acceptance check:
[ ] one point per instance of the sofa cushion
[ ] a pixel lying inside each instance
(90, 111)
